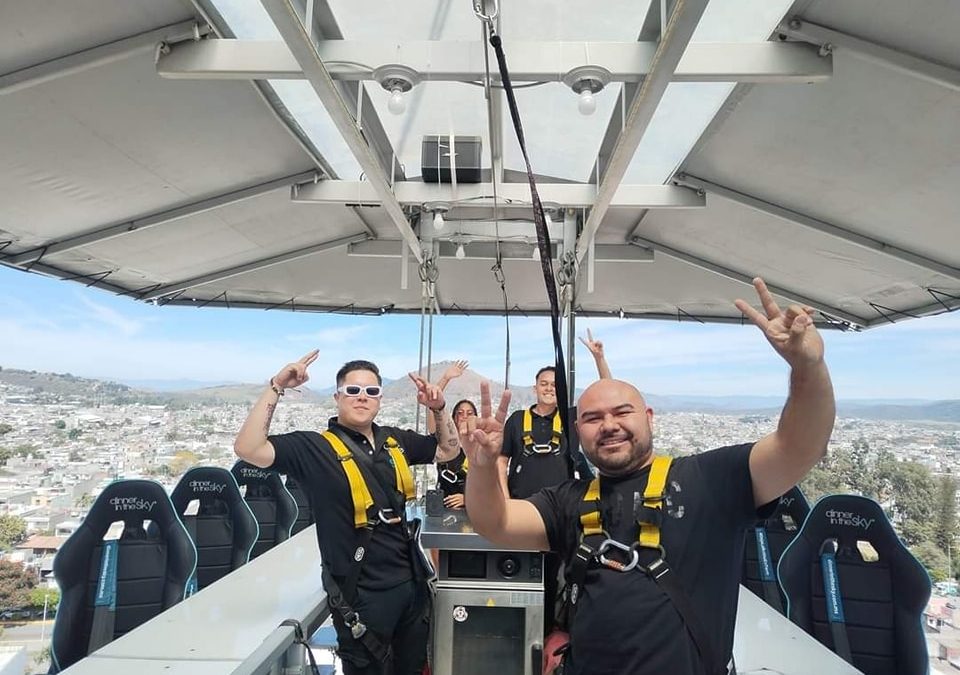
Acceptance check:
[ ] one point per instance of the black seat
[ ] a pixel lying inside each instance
(272, 504)
(305, 517)
(223, 528)
(151, 571)
(772, 537)
(872, 617)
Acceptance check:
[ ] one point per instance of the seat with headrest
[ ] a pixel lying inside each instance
(271, 503)
(148, 574)
(771, 536)
(878, 590)
(223, 527)
(305, 517)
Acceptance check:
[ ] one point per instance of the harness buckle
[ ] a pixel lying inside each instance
(389, 517)
(357, 627)
(613, 544)
(543, 449)
(449, 476)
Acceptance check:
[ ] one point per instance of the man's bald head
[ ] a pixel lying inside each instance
(614, 425)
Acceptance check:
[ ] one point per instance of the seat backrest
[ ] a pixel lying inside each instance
(305, 517)
(223, 528)
(881, 588)
(774, 533)
(272, 504)
(152, 571)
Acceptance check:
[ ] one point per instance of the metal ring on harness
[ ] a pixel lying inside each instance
(658, 567)
(543, 449)
(609, 544)
(387, 519)
(449, 476)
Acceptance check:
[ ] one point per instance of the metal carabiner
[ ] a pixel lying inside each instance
(543, 449)
(616, 564)
(449, 476)
(478, 10)
(386, 519)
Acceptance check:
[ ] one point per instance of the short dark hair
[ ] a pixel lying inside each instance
(351, 366)
(543, 370)
(461, 402)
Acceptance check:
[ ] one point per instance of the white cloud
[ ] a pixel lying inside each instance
(110, 317)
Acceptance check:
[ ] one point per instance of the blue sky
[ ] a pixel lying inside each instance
(52, 325)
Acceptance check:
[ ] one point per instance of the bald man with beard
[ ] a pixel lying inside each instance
(628, 620)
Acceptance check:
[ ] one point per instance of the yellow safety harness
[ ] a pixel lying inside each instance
(620, 557)
(532, 448)
(359, 492)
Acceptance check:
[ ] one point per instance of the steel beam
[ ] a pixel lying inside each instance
(904, 62)
(746, 279)
(529, 61)
(803, 220)
(285, 16)
(487, 250)
(674, 41)
(511, 195)
(139, 224)
(101, 55)
(237, 270)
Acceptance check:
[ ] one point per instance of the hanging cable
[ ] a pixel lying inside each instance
(543, 235)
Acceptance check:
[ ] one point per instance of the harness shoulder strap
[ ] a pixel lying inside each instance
(527, 428)
(359, 492)
(405, 483)
(653, 500)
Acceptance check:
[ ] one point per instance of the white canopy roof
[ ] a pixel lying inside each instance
(208, 153)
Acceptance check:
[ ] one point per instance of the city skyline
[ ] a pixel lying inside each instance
(50, 325)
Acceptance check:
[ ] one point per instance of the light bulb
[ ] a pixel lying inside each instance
(587, 105)
(397, 105)
(622, 313)
(438, 220)
(536, 252)
(460, 254)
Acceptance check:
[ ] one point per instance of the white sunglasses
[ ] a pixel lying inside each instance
(372, 391)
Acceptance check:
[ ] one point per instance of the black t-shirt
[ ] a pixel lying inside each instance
(308, 457)
(533, 472)
(625, 623)
(451, 476)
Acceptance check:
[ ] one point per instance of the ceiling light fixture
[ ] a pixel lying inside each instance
(397, 80)
(586, 81)
(438, 209)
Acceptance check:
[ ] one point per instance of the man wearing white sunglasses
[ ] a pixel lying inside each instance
(372, 570)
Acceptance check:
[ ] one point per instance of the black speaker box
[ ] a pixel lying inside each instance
(435, 159)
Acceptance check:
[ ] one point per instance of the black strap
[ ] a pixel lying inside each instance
(661, 573)
(543, 242)
(299, 637)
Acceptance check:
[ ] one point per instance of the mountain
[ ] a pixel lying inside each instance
(57, 387)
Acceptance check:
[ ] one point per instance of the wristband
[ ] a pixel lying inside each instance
(276, 390)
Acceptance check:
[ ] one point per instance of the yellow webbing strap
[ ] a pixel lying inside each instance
(653, 498)
(590, 521)
(362, 500)
(465, 465)
(528, 429)
(405, 482)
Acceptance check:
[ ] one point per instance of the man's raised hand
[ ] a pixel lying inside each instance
(791, 332)
(454, 370)
(428, 394)
(482, 437)
(295, 374)
(595, 346)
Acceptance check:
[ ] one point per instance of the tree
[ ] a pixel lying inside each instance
(5, 429)
(15, 584)
(13, 529)
(933, 559)
(74, 434)
(945, 522)
(60, 424)
(37, 596)
(182, 460)
(914, 493)
(84, 501)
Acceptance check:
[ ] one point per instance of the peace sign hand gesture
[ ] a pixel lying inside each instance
(295, 374)
(595, 346)
(482, 437)
(791, 333)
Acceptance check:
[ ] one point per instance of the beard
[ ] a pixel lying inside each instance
(621, 462)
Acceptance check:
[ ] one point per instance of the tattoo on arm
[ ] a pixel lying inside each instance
(266, 423)
(454, 438)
